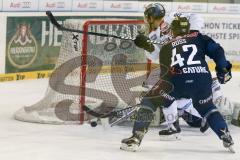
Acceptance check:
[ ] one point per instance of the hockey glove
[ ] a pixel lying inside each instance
(142, 42)
(224, 74)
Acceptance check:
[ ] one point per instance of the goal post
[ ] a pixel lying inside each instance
(137, 24)
(101, 72)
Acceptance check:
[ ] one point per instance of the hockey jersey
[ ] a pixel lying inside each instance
(185, 58)
(162, 32)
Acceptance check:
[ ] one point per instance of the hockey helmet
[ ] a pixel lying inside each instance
(155, 10)
(180, 26)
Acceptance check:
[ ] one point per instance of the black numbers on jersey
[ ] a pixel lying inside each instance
(177, 59)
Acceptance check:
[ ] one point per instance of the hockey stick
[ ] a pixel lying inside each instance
(121, 114)
(125, 116)
(115, 113)
(62, 28)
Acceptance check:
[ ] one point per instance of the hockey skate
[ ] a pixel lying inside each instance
(132, 143)
(172, 133)
(227, 141)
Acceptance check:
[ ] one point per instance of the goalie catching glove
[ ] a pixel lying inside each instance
(142, 41)
(224, 74)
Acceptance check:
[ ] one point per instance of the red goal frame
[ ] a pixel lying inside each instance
(84, 51)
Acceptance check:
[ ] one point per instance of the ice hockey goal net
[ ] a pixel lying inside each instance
(101, 72)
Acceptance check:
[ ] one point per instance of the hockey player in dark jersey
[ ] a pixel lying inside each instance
(157, 28)
(185, 74)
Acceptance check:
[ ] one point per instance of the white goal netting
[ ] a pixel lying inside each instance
(100, 72)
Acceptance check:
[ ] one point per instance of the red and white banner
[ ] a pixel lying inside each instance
(189, 7)
(223, 8)
(87, 5)
(167, 6)
(128, 6)
(19, 5)
(55, 5)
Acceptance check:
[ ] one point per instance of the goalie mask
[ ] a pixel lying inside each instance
(180, 26)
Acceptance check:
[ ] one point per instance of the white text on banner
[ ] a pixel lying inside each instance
(189, 7)
(225, 30)
(87, 5)
(167, 6)
(130, 6)
(223, 8)
(20, 5)
(55, 5)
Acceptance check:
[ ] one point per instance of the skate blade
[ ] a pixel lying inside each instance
(231, 149)
(175, 137)
(132, 148)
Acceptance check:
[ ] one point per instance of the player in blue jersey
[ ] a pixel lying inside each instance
(185, 74)
(157, 28)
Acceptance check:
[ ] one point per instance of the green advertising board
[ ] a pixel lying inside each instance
(33, 43)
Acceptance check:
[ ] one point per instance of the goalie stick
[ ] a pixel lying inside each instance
(62, 28)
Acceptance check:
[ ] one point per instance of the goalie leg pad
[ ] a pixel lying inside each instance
(225, 107)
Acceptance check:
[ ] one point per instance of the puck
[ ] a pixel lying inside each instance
(93, 124)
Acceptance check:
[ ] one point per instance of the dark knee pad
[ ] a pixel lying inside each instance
(142, 118)
(192, 120)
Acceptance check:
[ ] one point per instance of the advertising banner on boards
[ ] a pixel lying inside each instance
(225, 30)
(20, 5)
(55, 5)
(189, 7)
(33, 43)
(122, 6)
(167, 5)
(87, 5)
(223, 8)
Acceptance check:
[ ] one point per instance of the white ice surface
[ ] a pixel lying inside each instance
(28, 141)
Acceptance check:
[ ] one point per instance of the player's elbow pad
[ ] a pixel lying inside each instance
(216, 52)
